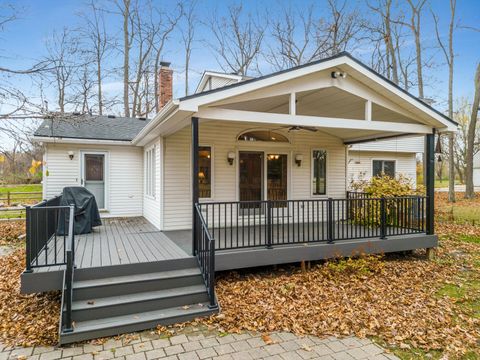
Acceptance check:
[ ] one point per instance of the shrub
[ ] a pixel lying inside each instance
(364, 212)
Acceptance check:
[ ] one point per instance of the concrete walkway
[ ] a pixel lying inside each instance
(208, 345)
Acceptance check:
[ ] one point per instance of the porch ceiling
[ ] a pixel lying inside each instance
(329, 102)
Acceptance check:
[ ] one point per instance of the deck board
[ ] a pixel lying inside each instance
(118, 241)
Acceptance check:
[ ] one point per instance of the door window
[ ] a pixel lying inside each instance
(94, 167)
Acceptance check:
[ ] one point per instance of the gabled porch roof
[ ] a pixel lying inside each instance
(364, 105)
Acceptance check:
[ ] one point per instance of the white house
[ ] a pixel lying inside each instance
(243, 173)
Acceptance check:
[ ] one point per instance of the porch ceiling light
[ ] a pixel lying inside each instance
(339, 74)
(71, 154)
(298, 159)
(230, 157)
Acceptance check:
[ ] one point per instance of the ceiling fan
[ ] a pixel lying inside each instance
(297, 128)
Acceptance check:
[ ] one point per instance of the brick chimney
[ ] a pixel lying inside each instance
(165, 84)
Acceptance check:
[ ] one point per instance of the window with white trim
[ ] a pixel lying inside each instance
(319, 172)
(205, 172)
(150, 181)
(383, 167)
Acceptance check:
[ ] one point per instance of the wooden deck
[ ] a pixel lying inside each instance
(118, 241)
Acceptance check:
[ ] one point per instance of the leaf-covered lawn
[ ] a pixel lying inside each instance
(25, 320)
(10, 231)
(20, 188)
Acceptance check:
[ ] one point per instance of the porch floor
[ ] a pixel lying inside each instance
(119, 241)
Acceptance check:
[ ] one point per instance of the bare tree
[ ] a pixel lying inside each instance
(166, 24)
(98, 44)
(62, 50)
(294, 44)
(300, 37)
(237, 39)
(124, 6)
(188, 36)
(415, 26)
(384, 10)
(341, 27)
(471, 137)
(449, 58)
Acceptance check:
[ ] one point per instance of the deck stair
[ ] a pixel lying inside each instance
(130, 298)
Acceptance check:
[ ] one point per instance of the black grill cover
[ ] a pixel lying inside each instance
(87, 215)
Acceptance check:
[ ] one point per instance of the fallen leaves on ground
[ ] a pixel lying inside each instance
(10, 231)
(394, 299)
(25, 320)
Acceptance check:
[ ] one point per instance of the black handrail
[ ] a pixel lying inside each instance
(268, 223)
(205, 253)
(46, 235)
(67, 296)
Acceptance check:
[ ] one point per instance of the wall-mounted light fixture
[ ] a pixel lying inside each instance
(339, 74)
(298, 159)
(71, 154)
(230, 157)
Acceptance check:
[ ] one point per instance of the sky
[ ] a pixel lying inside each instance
(23, 41)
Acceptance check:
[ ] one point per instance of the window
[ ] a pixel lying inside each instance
(319, 172)
(384, 167)
(150, 180)
(205, 171)
(262, 135)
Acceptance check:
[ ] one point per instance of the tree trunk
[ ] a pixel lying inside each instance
(99, 81)
(126, 57)
(451, 137)
(469, 190)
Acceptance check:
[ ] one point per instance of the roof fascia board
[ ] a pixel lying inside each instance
(67, 140)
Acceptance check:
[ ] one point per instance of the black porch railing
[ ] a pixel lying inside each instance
(205, 253)
(67, 295)
(47, 225)
(243, 224)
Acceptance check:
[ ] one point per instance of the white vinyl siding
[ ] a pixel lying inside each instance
(360, 164)
(222, 137)
(152, 204)
(125, 175)
(414, 144)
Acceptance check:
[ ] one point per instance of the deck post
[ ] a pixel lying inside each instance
(330, 221)
(28, 239)
(195, 190)
(269, 224)
(430, 181)
(383, 218)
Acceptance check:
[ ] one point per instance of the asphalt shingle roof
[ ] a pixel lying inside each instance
(93, 127)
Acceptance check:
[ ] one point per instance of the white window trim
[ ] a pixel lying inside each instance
(312, 195)
(153, 150)
(383, 159)
(212, 175)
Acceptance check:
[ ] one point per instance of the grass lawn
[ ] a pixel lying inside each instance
(444, 183)
(20, 188)
(19, 198)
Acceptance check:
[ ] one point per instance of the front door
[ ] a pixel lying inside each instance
(251, 177)
(93, 176)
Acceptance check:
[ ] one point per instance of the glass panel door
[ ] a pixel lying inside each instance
(277, 177)
(251, 177)
(94, 177)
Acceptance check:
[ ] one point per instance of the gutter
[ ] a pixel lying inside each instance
(167, 110)
(74, 140)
